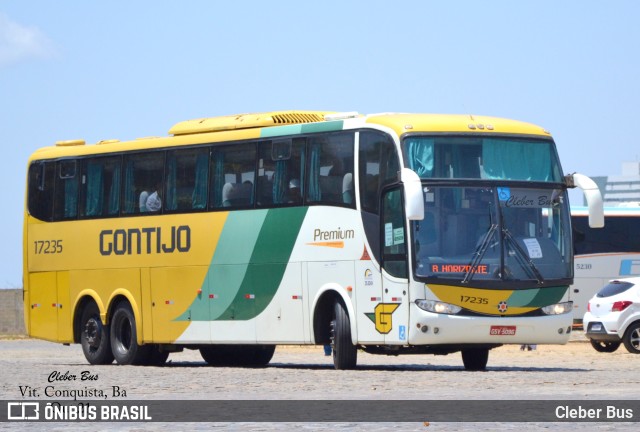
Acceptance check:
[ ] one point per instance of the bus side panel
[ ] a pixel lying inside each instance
(43, 310)
(283, 320)
(65, 311)
(368, 304)
(176, 295)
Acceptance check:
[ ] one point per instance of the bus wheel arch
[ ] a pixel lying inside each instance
(324, 312)
(92, 333)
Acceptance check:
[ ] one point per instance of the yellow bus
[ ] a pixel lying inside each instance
(389, 233)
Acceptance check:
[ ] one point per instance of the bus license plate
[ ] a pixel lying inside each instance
(596, 327)
(502, 331)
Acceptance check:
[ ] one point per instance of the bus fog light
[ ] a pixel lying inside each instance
(436, 330)
(424, 329)
(558, 308)
(560, 330)
(438, 307)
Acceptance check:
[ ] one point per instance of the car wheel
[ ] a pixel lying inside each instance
(631, 338)
(604, 346)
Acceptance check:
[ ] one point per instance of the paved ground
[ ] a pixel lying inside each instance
(573, 372)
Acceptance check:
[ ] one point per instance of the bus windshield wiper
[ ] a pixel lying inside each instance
(523, 257)
(479, 253)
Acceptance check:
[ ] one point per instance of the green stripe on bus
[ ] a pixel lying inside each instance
(229, 265)
(329, 126)
(305, 128)
(523, 297)
(268, 263)
(548, 296)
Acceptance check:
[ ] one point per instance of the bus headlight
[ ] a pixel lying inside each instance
(438, 307)
(558, 308)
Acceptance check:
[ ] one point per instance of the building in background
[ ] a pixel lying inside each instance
(621, 190)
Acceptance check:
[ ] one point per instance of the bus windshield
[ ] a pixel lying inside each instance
(483, 235)
(485, 157)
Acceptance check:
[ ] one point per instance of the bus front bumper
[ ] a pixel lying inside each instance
(428, 328)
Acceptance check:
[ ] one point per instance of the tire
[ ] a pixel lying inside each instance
(475, 359)
(238, 355)
(604, 346)
(156, 357)
(260, 355)
(345, 353)
(631, 338)
(124, 343)
(94, 337)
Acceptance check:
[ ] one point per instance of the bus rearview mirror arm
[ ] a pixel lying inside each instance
(592, 195)
(413, 198)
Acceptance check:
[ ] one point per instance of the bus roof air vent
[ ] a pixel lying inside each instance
(69, 143)
(246, 121)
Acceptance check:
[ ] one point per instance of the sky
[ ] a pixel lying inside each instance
(122, 70)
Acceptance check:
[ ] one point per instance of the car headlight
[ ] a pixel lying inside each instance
(558, 308)
(438, 307)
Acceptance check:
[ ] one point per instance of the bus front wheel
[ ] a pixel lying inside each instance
(475, 359)
(124, 342)
(94, 337)
(345, 353)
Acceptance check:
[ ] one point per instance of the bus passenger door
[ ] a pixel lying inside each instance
(392, 315)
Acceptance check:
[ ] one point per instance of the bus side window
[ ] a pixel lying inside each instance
(187, 179)
(40, 201)
(66, 191)
(100, 187)
(233, 176)
(280, 170)
(379, 166)
(330, 179)
(143, 176)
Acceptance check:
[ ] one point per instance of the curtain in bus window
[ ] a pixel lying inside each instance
(280, 182)
(172, 196)
(515, 160)
(420, 154)
(95, 179)
(70, 197)
(199, 196)
(114, 191)
(129, 189)
(315, 193)
(218, 180)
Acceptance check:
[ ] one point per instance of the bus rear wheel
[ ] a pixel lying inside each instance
(345, 353)
(94, 337)
(475, 359)
(124, 342)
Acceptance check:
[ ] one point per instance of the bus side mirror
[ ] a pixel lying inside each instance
(413, 198)
(592, 195)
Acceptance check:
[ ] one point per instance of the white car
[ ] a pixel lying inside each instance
(613, 316)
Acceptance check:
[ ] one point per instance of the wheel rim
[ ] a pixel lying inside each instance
(635, 339)
(93, 333)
